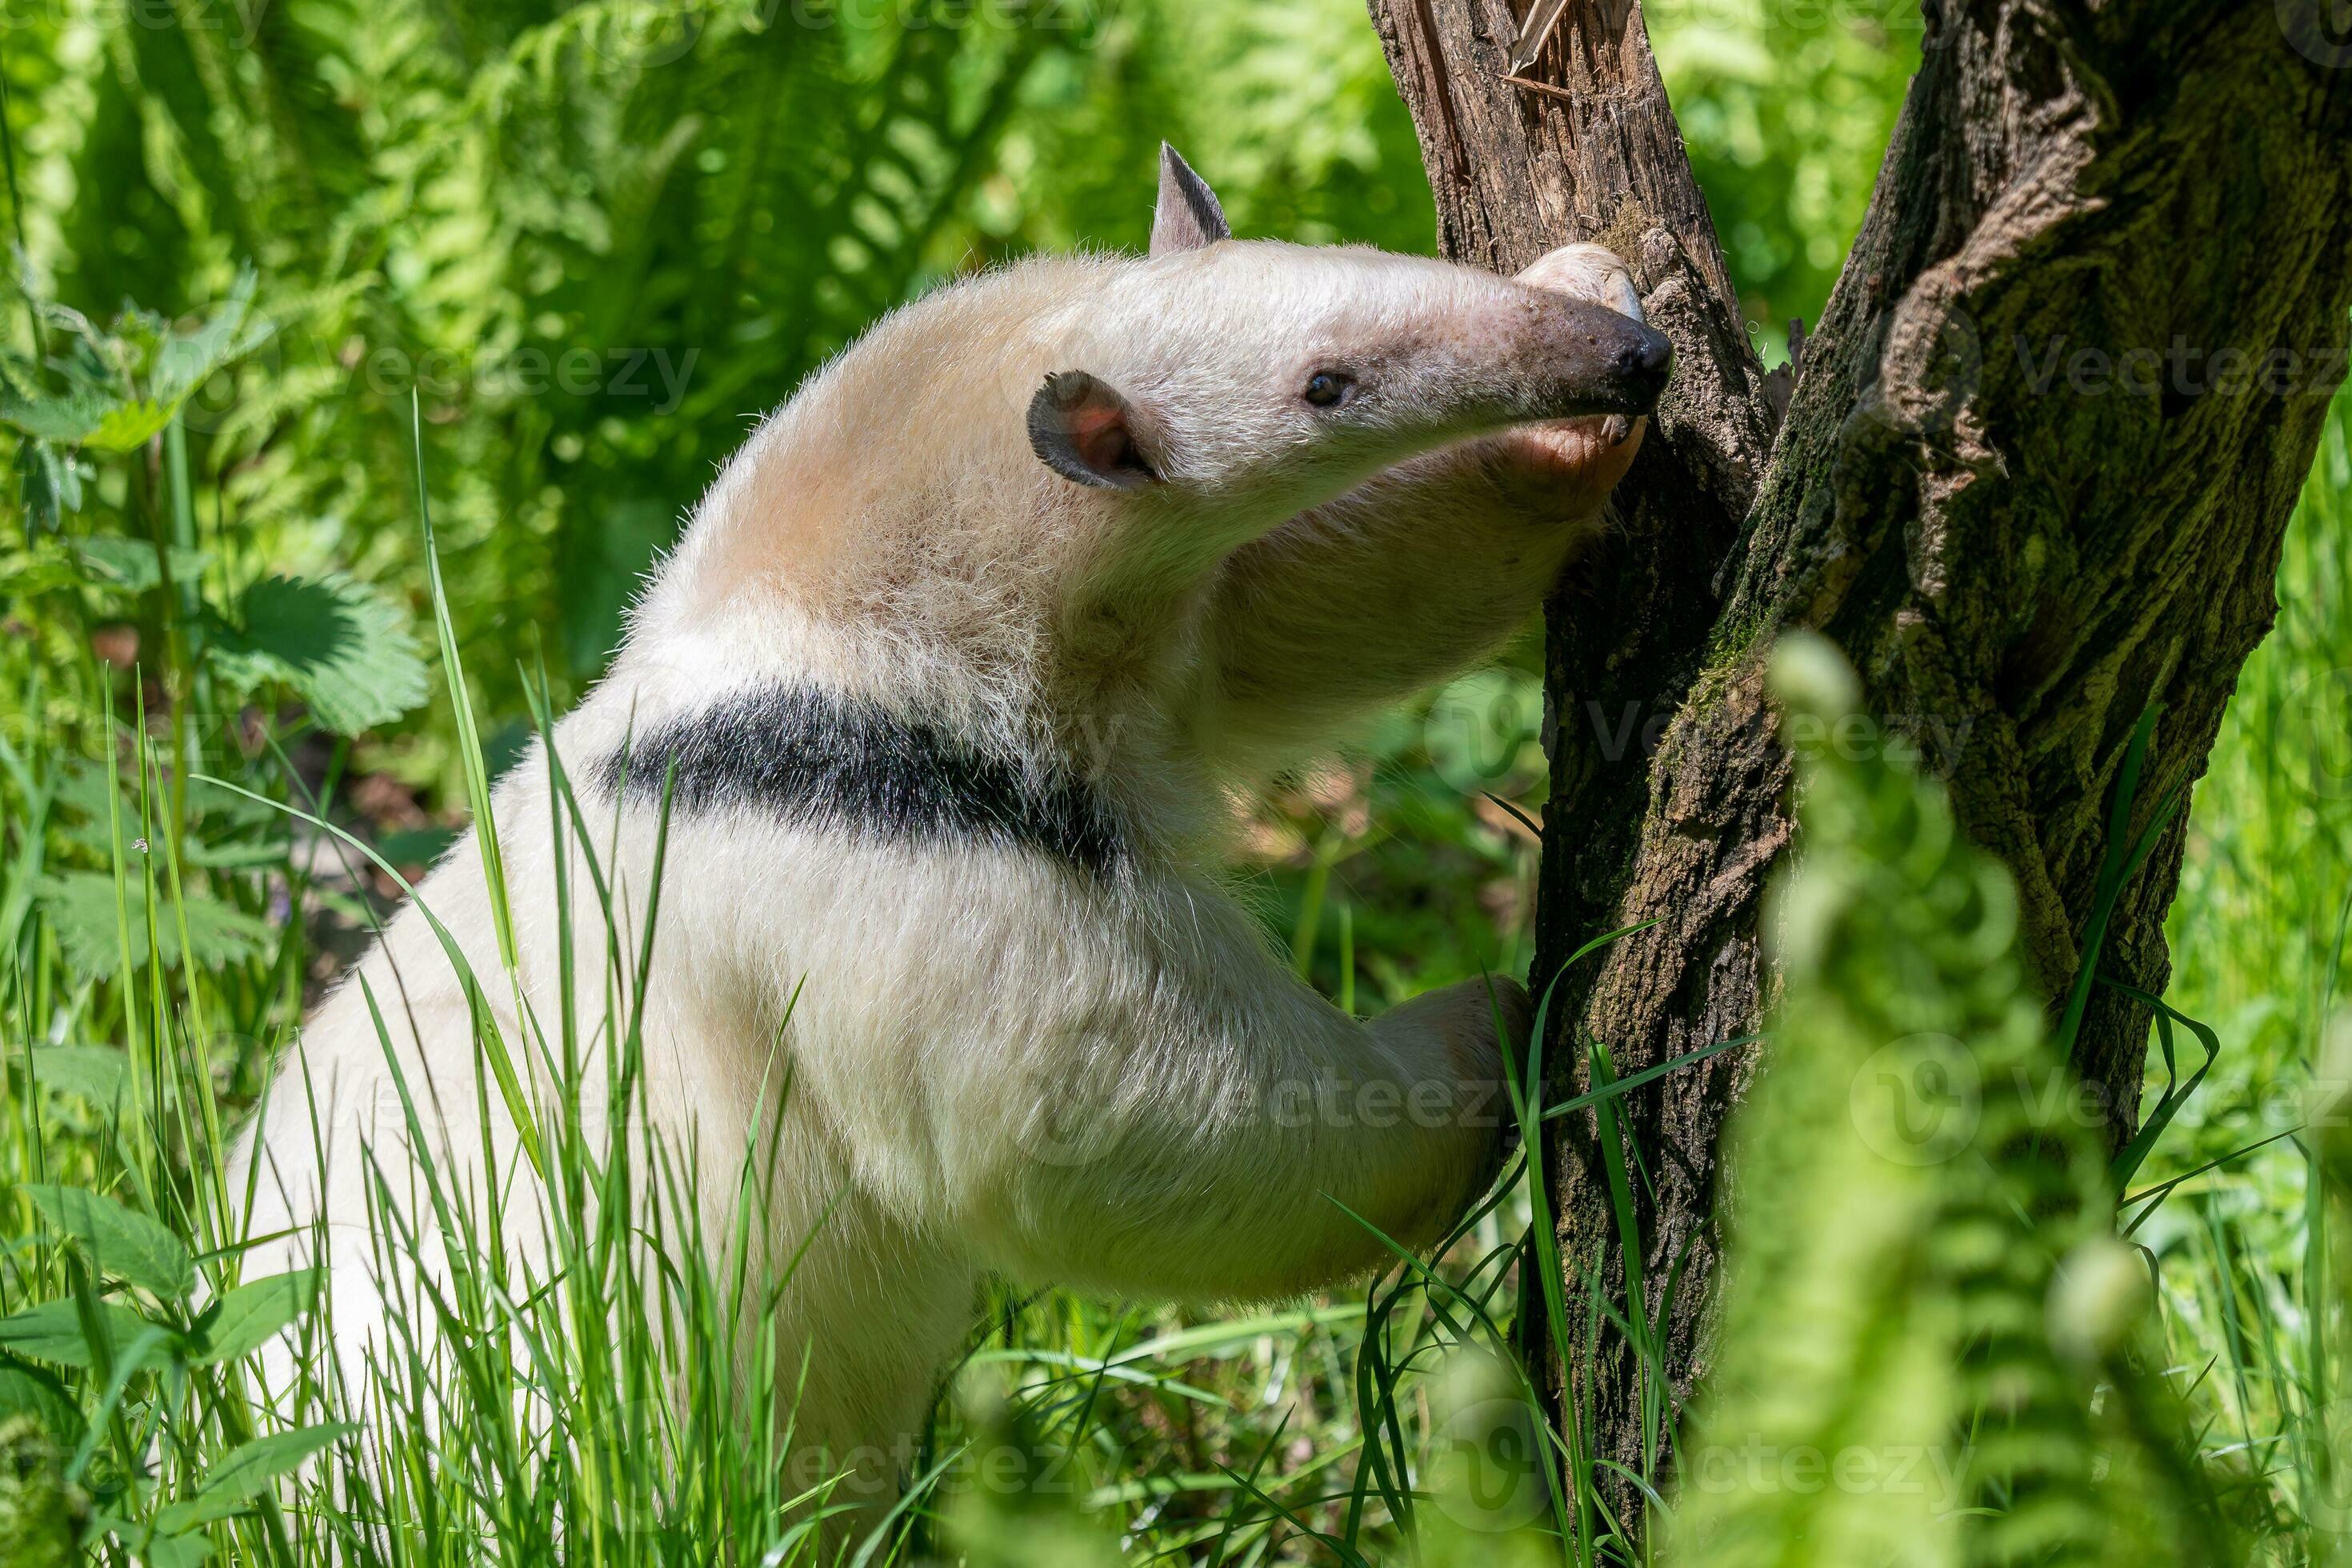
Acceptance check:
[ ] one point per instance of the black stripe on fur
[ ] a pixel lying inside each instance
(817, 759)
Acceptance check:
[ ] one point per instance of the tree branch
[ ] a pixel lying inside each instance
(2020, 560)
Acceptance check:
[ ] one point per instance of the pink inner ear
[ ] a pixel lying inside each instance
(1098, 431)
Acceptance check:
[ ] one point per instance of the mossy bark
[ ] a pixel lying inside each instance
(2032, 477)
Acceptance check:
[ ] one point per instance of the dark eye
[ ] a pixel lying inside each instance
(1329, 388)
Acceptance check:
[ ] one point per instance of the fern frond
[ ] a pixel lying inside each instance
(1928, 1343)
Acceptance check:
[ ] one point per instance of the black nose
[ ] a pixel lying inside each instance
(1647, 360)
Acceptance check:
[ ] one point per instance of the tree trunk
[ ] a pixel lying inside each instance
(2023, 481)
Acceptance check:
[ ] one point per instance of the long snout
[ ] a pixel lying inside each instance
(1574, 358)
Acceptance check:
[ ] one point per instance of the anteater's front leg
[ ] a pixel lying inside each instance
(1183, 1118)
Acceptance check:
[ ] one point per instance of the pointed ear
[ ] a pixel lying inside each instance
(1085, 430)
(1190, 215)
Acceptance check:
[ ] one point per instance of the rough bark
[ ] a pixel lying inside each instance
(2019, 556)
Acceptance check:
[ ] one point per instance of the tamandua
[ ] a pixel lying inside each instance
(932, 717)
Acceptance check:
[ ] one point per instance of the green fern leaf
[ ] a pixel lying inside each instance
(1922, 1298)
(345, 651)
(80, 908)
(127, 426)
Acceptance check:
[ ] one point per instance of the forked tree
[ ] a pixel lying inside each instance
(2033, 476)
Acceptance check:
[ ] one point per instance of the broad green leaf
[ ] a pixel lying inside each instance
(35, 1392)
(129, 1246)
(176, 1552)
(52, 1331)
(48, 481)
(131, 565)
(80, 909)
(343, 649)
(128, 426)
(247, 1317)
(243, 1472)
(26, 573)
(97, 416)
(100, 1074)
(66, 418)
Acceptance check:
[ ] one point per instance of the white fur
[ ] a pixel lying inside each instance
(997, 1061)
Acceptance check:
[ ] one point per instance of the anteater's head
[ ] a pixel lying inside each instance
(1230, 384)
(1079, 440)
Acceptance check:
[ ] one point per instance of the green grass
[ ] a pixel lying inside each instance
(2260, 941)
(585, 1408)
(256, 569)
